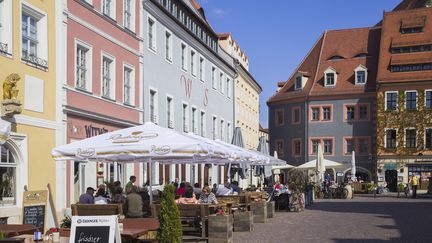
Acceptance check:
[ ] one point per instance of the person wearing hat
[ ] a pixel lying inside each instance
(87, 197)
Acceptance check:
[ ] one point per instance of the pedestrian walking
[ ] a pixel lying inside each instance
(414, 184)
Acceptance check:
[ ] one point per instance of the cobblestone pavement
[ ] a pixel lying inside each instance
(362, 219)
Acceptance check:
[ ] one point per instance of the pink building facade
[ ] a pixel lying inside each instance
(102, 87)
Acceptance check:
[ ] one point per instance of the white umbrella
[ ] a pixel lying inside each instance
(353, 167)
(320, 163)
(312, 164)
(142, 143)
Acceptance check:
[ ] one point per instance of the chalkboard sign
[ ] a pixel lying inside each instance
(92, 234)
(34, 215)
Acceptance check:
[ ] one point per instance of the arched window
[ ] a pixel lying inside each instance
(8, 167)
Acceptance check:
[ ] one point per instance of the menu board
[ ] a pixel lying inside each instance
(34, 215)
(95, 229)
(92, 234)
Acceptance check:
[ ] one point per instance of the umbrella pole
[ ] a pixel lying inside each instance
(150, 181)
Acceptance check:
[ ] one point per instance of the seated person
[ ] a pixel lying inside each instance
(134, 203)
(87, 197)
(181, 190)
(224, 190)
(188, 197)
(207, 196)
(100, 197)
(197, 190)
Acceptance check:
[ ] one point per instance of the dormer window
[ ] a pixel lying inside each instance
(330, 77)
(298, 83)
(360, 75)
(300, 80)
(336, 57)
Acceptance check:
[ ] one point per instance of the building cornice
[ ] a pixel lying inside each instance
(248, 77)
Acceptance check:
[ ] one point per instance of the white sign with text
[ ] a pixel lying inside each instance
(95, 229)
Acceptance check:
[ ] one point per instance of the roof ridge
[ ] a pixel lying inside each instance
(318, 62)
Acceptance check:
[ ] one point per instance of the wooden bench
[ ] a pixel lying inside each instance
(96, 209)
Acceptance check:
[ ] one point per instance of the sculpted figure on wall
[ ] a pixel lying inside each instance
(10, 104)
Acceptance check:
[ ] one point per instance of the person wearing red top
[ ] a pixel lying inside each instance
(278, 186)
(181, 190)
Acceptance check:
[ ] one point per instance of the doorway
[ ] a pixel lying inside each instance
(391, 179)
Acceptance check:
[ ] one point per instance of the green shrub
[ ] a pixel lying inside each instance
(170, 230)
(2, 236)
(296, 180)
(401, 187)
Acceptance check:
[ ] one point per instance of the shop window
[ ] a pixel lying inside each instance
(8, 167)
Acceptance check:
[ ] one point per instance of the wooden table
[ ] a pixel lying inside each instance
(134, 228)
(29, 239)
(11, 230)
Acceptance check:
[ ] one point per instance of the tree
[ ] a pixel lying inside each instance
(170, 230)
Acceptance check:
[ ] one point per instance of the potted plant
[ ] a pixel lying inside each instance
(65, 226)
(170, 225)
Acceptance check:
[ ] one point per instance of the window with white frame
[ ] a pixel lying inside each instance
(108, 77)
(194, 120)
(214, 127)
(221, 77)
(170, 112)
(428, 138)
(213, 77)
(193, 63)
(228, 132)
(330, 77)
(228, 87)
(201, 68)
(83, 64)
(360, 75)
(222, 130)
(151, 33)
(129, 14)
(428, 99)
(108, 8)
(410, 138)
(203, 124)
(411, 100)
(6, 27)
(298, 83)
(153, 111)
(8, 176)
(34, 36)
(168, 46)
(391, 100)
(128, 85)
(328, 146)
(185, 115)
(183, 57)
(390, 138)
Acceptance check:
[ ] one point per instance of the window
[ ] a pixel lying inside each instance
(391, 101)
(151, 34)
(185, 115)
(297, 147)
(363, 146)
(411, 49)
(411, 30)
(129, 15)
(390, 139)
(315, 144)
(228, 132)
(6, 27)
(279, 117)
(298, 83)
(213, 77)
(8, 167)
(153, 106)
(221, 75)
(168, 46)
(203, 124)
(34, 39)
(183, 57)
(326, 113)
(428, 138)
(410, 138)
(315, 114)
(350, 112)
(350, 146)
(201, 69)
(222, 130)
(170, 115)
(108, 8)
(83, 67)
(411, 100)
(128, 86)
(330, 79)
(328, 146)
(361, 77)
(108, 77)
(194, 120)
(193, 62)
(228, 87)
(280, 148)
(411, 67)
(296, 115)
(363, 112)
(428, 99)
(214, 128)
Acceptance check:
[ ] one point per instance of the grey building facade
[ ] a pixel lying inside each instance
(187, 81)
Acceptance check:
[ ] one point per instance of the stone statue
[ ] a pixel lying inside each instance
(10, 90)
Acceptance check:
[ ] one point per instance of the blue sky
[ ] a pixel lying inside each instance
(277, 34)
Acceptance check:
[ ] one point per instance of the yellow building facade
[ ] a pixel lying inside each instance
(28, 65)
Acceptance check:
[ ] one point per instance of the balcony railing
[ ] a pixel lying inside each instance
(3, 47)
(30, 58)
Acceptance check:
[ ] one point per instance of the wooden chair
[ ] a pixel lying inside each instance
(96, 209)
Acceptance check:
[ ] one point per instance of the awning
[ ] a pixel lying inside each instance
(5, 129)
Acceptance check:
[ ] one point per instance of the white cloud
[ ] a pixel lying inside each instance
(220, 12)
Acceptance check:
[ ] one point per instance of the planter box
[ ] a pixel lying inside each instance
(270, 209)
(220, 228)
(243, 221)
(259, 210)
